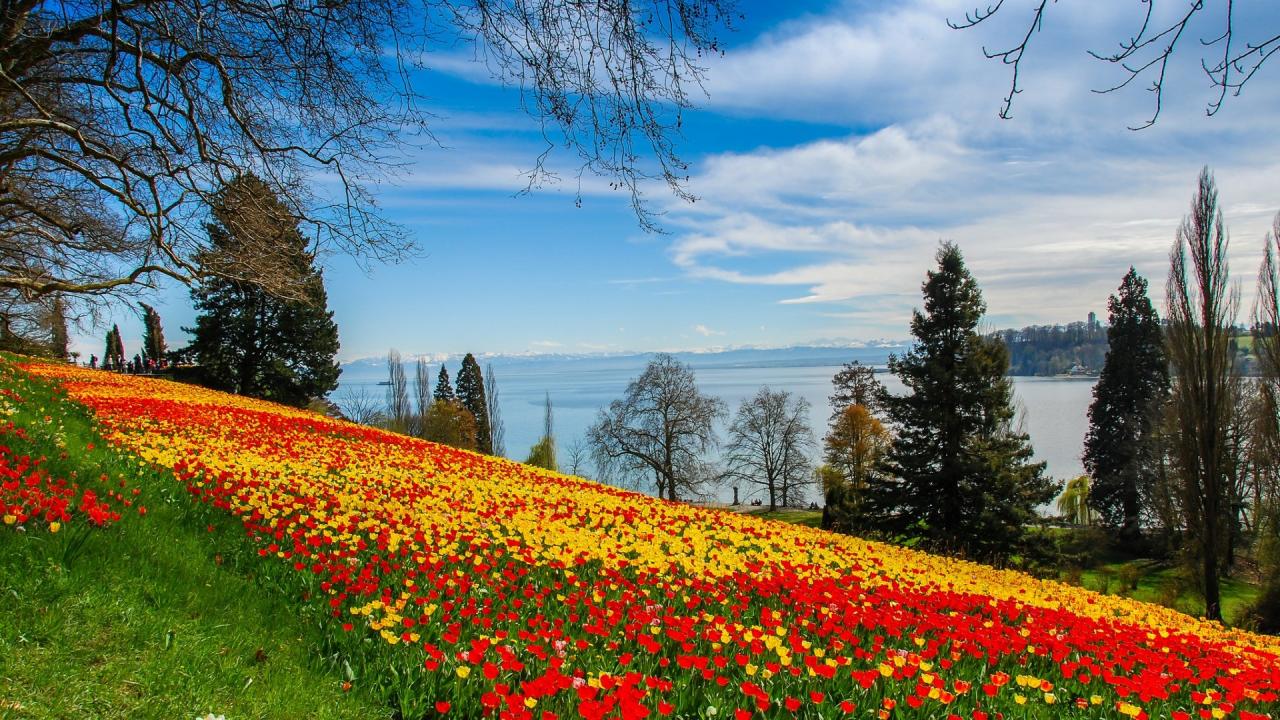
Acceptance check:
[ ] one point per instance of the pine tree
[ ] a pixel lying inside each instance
(958, 476)
(471, 395)
(153, 344)
(248, 341)
(444, 389)
(1133, 386)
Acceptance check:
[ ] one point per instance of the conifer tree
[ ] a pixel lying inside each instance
(153, 344)
(1134, 384)
(471, 395)
(959, 476)
(444, 388)
(117, 349)
(248, 341)
(58, 339)
(109, 348)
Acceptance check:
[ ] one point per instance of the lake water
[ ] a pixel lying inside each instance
(1054, 410)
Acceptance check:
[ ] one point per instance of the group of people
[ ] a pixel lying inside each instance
(137, 366)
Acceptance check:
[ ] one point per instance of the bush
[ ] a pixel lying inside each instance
(1264, 614)
(1128, 575)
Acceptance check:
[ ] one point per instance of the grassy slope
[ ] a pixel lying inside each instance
(145, 621)
(808, 518)
(1154, 581)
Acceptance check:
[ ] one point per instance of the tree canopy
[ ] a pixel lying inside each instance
(246, 340)
(123, 121)
(959, 475)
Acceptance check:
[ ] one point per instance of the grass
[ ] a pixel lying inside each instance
(1168, 585)
(795, 516)
(147, 619)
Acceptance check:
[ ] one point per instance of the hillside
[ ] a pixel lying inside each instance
(445, 582)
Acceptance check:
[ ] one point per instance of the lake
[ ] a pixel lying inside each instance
(1054, 411)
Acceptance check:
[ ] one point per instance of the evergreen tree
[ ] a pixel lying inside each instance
(58, 340)
(471, 395)
(1118, 450)
(958, 476)
(153, 344)
(444, 389)
(248, 341)
(117, 348)
(109, 348)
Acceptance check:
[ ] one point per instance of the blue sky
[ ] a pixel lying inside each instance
(837, 144)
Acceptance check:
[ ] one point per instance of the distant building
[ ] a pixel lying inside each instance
(1093, 321)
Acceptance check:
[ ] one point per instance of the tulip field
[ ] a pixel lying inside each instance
(459, 585)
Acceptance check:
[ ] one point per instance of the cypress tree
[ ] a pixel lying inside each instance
(117, 349)
(1134, 383)
(471, 395)
(958, 477)
(58, 339)
(444, 389)
(153, 344)
(109, 348)
(245, 340)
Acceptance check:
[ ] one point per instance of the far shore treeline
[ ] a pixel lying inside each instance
(1182, 451)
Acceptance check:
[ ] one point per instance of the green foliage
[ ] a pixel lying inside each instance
(157, 616)
(543, 454)
(959, 476)
(448, 423)
(1119, 448)
(444, 389)
(113, 352)
(153, 344)
(1048, 350)
(1073, 503)
(58, 340)
(471, 395)
(247, 341)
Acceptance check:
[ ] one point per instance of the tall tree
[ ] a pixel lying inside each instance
(153, 344)
(58, 340)
(768, 445)
(1131, 391)
(109, 348)
(497, 431)
(856, 384)
(470, 389)
(117, 348)
(960, 476)
(399, 412)
(444, 388)
(422, 389)
(853, 450)
(245, 340)
(659, 429)
(1201, 310)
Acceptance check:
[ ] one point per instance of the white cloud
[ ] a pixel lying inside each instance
(705, 331)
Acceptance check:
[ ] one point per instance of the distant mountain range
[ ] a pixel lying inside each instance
(813, 355)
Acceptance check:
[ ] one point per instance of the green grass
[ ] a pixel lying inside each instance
(1167, 585)
(147, 619)
(808, 518)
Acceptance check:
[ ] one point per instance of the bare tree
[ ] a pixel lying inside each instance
(422, 393)
(360, 406)
(119, 120)
(658, 430)
(575, 457)
(768, 445)
(1201, 310)
(399, 412)
(497, 431)
(856, 384)
(1231, 53)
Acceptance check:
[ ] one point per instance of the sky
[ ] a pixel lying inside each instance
(836, 144)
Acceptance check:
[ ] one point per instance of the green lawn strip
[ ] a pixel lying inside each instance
(808, 518)
(144, 621)
(1163, 584)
